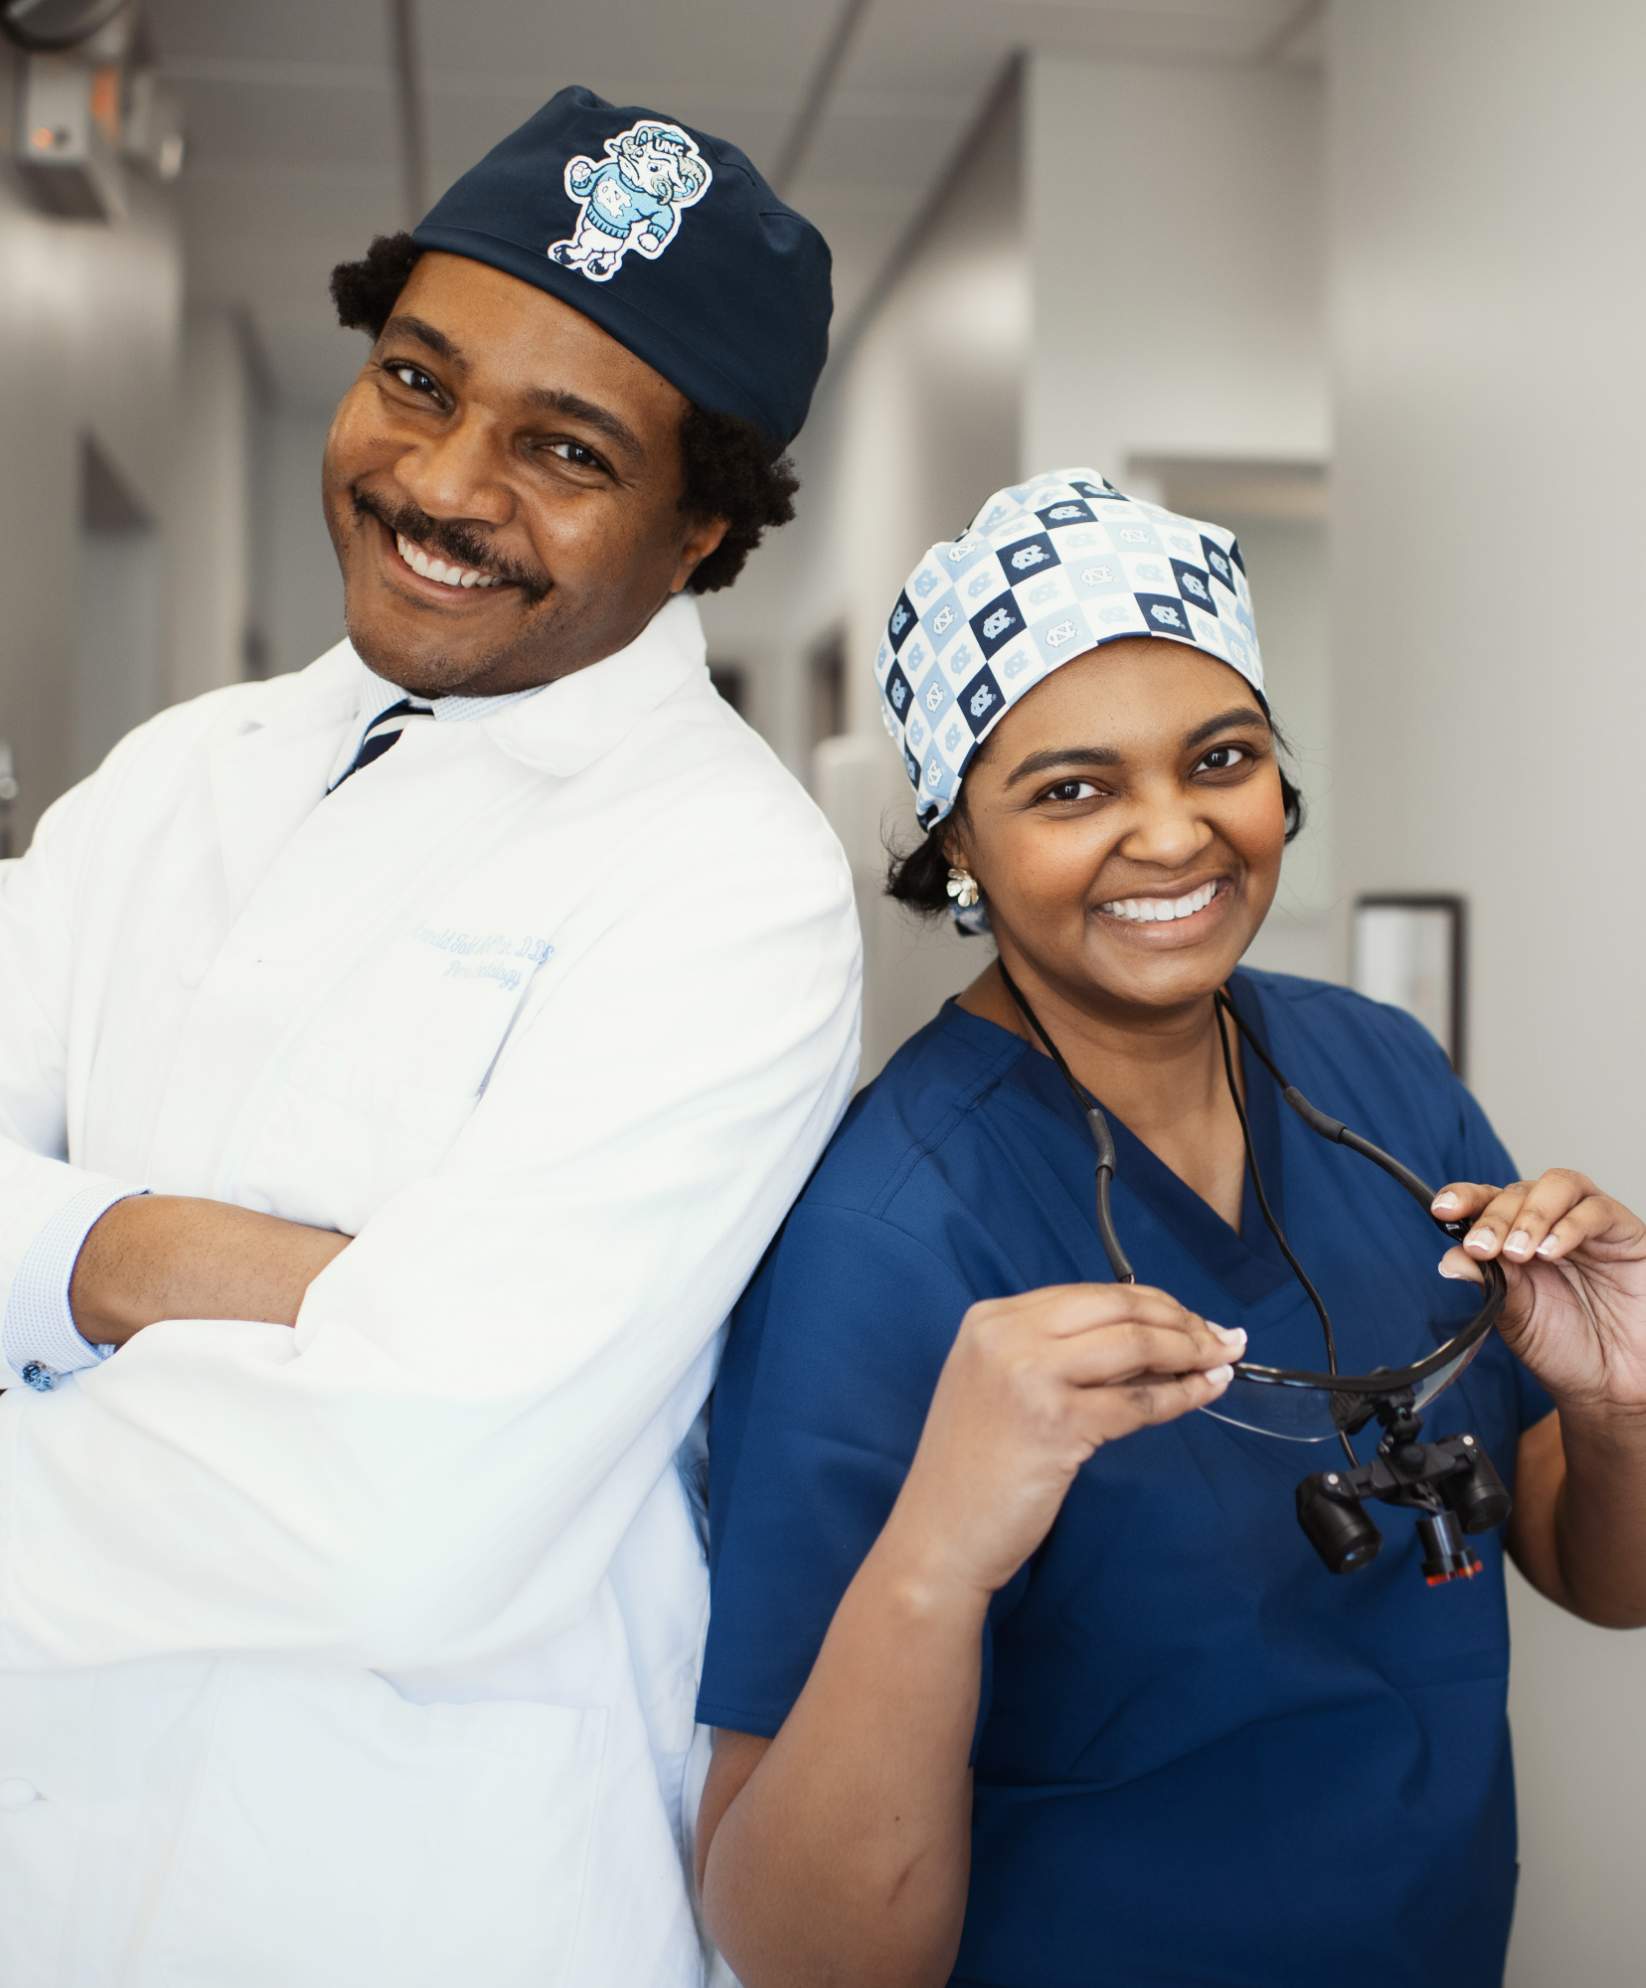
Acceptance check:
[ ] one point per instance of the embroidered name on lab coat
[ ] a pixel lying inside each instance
(496, 956)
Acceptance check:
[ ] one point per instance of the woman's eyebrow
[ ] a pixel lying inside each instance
(1238, 714)
(1055, 756)
(1043, 762)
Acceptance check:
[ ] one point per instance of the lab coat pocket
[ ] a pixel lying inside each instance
(421, 1059)
(410, 1845)
(370, 1094)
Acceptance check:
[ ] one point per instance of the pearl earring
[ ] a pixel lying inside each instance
(963, 889)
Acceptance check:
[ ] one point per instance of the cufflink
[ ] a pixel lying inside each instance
(40, 1378)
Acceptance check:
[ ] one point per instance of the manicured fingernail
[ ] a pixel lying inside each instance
(1443, 1204)
(1519, 1243)
(1479, 1239)
(1449, 1269)
(1549, 1244)
(1231, 1335)
(1220, 1376)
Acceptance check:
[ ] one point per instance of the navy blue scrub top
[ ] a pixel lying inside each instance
(1201, 1759)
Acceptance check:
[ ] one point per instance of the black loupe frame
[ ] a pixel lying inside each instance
(1360, 1393)
(1385, 1381)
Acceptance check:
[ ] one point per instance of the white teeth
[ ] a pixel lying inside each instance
(435, 569)
(1161, 910)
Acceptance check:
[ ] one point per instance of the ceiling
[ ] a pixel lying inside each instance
(315, 124)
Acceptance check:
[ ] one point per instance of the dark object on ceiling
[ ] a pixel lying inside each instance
(51, 26)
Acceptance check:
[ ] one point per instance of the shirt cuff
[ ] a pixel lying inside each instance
(38, 1337)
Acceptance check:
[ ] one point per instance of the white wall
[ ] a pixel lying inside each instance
(919, 420)
(299, 589)
(208, 519)
(1287, 562)
(1177, 263)
(88, 327)
(1488, 296)
(119, 674)
(1175, 222)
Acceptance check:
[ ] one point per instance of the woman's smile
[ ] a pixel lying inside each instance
(1182, 916)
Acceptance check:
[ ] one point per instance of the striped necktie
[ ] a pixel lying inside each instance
(380, 734)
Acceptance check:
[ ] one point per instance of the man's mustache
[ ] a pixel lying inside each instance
(459, 544)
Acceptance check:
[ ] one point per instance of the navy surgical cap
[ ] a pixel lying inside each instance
(667, 238)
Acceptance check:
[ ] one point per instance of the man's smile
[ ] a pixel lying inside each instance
(413, 573)
(437, 570)
(430, 573)
(449, 555)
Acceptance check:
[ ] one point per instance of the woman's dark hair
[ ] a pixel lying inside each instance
(920, 878)
(729, 467)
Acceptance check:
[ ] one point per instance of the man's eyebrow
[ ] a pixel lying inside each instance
(404, 325)
(553, 400)
(556, 400)
(1056, 756)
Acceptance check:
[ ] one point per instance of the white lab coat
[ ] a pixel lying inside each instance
(363, 1655)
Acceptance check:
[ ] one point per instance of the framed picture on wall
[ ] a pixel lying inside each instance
(1412, 950)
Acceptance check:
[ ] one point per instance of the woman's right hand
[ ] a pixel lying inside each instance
(1031, 1388)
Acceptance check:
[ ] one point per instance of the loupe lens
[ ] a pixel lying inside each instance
(1445, 1557)
(1478, 1497)
(1292, 1414)
(1441, 1379)
(1337, 1528)
(1296, 1412)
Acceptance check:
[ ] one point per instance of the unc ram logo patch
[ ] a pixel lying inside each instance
(633, 199)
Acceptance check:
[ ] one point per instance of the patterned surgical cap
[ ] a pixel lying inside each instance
(1045, 572)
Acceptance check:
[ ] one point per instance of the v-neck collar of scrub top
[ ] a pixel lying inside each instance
(1247, 1264)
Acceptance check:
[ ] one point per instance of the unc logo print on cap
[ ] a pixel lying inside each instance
(633, 199)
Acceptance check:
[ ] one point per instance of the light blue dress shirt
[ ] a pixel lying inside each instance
(41, 1341)
(38, 1336)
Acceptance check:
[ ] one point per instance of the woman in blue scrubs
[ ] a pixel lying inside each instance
(1022, 1671)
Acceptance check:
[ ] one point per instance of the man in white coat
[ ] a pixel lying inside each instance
(403, 1065)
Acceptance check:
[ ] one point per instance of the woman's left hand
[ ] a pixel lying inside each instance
(1575, 1263)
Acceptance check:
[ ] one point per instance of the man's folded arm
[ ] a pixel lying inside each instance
(520, 1339)
(154, 1257)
